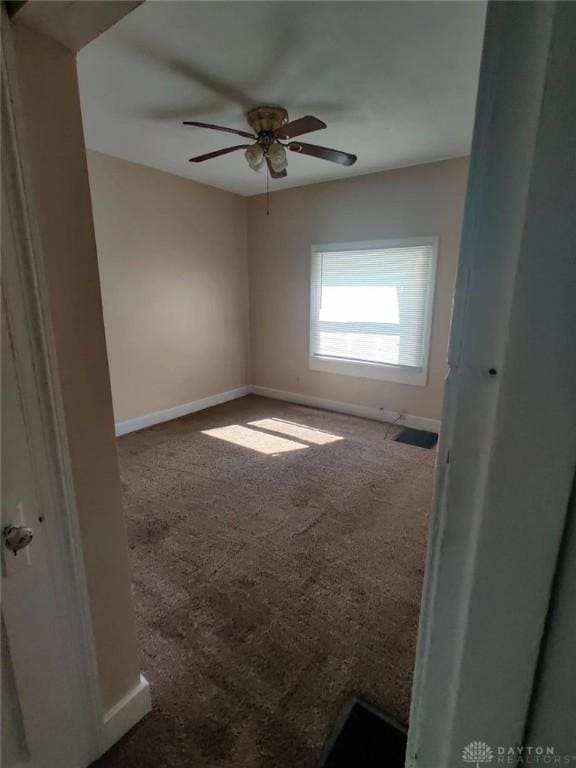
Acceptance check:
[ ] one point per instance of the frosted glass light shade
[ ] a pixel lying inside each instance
(255, 157)
(277, 157)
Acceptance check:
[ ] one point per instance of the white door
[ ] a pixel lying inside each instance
(38, 687)
(19, 506)
(51, 712)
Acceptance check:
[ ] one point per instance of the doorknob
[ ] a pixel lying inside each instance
(16, 537)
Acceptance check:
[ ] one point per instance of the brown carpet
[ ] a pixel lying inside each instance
(277, 570)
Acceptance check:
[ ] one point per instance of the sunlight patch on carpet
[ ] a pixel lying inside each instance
(299, 431)
(262, 442)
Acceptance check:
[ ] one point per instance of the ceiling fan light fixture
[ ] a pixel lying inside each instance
(277, 157)
(255, 157)
(270, 126)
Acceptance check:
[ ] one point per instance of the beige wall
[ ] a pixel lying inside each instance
(174, 274)
(55, 151)
(411, 202)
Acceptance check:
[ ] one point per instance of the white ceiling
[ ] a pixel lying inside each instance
(395, 81)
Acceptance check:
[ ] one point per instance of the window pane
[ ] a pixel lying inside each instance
(377, 304)
(374, 348)
(370, 305)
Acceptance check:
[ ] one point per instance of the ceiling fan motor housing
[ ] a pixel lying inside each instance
(267, 120)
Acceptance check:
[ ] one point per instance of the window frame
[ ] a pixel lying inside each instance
(402, 374)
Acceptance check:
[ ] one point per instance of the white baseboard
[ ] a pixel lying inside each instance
(364, 411)
(158, 417)
(125, 714)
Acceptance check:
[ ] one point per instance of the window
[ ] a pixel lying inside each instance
(371, 308)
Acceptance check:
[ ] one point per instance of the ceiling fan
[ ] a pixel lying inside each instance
(271, 127)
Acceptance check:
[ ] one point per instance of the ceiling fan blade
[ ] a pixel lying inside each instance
(218, 152)
(190, 71)
(275, 174)
(324, 153)
(220, 128)
(299, 127)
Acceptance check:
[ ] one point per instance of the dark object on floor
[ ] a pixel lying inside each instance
(365, 737)
(417, 437)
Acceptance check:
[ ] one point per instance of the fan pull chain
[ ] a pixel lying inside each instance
(267, 190)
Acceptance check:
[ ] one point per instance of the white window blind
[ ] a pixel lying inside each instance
(371, 305)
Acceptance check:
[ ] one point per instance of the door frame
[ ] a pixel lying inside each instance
(507, 452)
(467, 635)
(25, 297)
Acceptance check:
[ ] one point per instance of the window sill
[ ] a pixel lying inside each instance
(393, 373)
